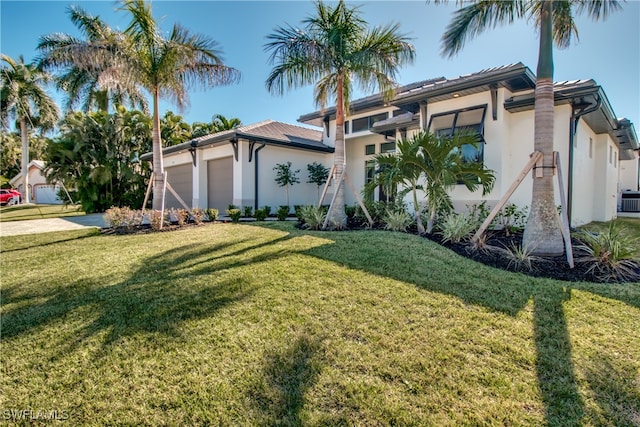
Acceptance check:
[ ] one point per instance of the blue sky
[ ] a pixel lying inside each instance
(608, 52)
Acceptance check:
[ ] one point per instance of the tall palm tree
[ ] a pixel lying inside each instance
(89, 72)
(24, 98)
(168, 67)
(335, 50)
(555, 22)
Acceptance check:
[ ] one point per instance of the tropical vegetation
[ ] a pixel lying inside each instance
(555, 22)
(335, 51)
(23, 97)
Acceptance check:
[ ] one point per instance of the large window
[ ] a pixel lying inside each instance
(469, 119)
(365, 123)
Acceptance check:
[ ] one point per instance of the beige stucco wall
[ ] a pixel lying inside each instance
(629, 175)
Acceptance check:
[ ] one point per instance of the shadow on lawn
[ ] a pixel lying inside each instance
(287, 375)
(554, 367)
(179, 284)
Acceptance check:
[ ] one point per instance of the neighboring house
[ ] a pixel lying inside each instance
(236, 166)
(598, 152)
(41, 192)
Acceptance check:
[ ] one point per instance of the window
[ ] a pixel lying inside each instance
(610, 154)
(365, 123)
(403, 133)
(469, 119)
(370, 149)
(615, 159)
(346, 127)
(591, 148)
(369, 175)
(388, 147)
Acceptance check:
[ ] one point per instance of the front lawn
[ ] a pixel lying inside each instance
(23, 212)
(231, 324)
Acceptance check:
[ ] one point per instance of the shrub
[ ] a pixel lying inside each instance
(610, 254)
(297, 209)
(478, 213)
(178, 215)
(260, 214)
(247, 211)
(455, 228)
(197, 215)
(267, 210)
(511, 218)
(397, 220)
(313, 217)
(350, 211)
(520, 257)
(231, 206)
(212, 214)
(234, 214)
(123, 217)
(155, 220)
(282, 213)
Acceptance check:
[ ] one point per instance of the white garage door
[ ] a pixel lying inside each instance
(220, 183)
(180, 178)
(46, 195)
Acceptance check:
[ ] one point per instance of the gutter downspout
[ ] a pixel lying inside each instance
(573, 128)
(255, 185)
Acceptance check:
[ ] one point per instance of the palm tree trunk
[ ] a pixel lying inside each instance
(416, 210)
(158, 165)
(24, 135)
(337, 216)
(542, 235)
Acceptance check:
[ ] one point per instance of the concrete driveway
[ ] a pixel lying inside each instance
(34, 226)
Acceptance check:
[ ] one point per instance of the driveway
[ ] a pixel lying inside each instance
(34, 226)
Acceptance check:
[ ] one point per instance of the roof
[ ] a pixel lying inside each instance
(590, 103)
(37, 163)
(515, 77)
(269, 131)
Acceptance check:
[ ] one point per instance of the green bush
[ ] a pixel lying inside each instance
(520, 258)
(234, 214)
(610, 253)
(267, 210)
(350, 211)
(247, 211)
(397, 220)
(511, 218)
(313, 216)
(456, 227)
(260, 214)
(282, 213)
(212, 214)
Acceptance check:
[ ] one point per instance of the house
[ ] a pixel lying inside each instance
(41, 191)
(236, 166)
(598, 152)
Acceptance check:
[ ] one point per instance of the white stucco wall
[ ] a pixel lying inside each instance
(629, 175)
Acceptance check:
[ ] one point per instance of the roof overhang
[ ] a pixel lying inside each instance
(403, 121)
(588, 102)
(515, 77)
(229, 136)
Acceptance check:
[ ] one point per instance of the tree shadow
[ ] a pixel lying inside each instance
(554, 367)
(155, 298)
(287, 374)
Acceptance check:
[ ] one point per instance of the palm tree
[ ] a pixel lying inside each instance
(23, 97)
(335, 50)
(436, 164)
(220, 123)
(89, 72)
(167, 67)
(555, 21)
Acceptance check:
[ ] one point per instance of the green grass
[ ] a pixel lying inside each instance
(232, 324)
(23, 212)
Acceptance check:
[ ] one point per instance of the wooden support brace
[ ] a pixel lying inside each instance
(536, 157)
(566, 233)
(333, 199)
(362, 206)
(326, 186)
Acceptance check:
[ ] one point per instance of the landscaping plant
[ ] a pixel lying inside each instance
(456, 227)
(286, 177)
(397, 220)
(313, 217)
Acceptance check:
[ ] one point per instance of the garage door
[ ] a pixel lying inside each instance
(46, 194)
(180, 178)
(220, 183)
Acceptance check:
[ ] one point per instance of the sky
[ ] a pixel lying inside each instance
(607, 52)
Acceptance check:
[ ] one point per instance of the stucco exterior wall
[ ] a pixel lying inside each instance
(629, 178)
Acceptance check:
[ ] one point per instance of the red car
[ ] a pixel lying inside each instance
(9, 197)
